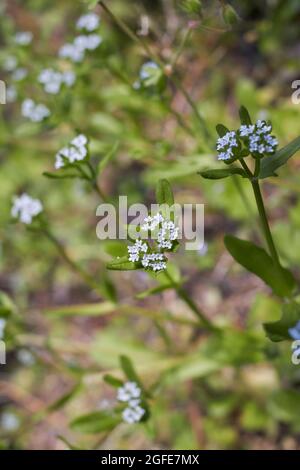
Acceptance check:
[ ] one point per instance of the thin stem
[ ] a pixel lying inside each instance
(264, 221)
(155, 58)
(261, 209)
(73, 265)
(182, 44)
(185, 297)
(94, 182)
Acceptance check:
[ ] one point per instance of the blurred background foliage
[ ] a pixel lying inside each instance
(236, 391)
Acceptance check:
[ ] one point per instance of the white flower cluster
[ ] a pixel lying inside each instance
(226, 144)
(34, 112)
(25, 208)
(53, 80)
(146, 69)
(75, 151)
(166, 235)
(130, 393)
(23, 38)
(89, 22)
(258, 137)
(136, 249)
(154, 261)
(2, 327)
(75, 51)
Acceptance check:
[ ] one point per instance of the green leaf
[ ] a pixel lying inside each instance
(220, 173)
(221, 130)
(106, 159)
(64, 399)
(94, 423)
(123, 264)
(153, 291)
(271, 163)
(6, 305)
(60, 176)
(279, 330)
(257, 261)
(244, 116)
(109, 379)
(129, 371)
(164, 193)
(96, 309)
(284, 405)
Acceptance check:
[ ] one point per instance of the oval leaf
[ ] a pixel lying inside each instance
(257, 261)
(220, 173)
(279, 330)
(270, 164)
(123, 264)
(164, 193)
(94, 423)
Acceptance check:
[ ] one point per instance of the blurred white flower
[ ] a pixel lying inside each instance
(146, 69)
(75, 51)
(10, 63)
(9, 421)
(133, 415)
(23, 38)
(130, 393)
(52, 80)
(75, 151)
(2, 327)
(89, 22)
(25, 357)
(26, 208)
(34, 112)
(19, 74)
(11, 94)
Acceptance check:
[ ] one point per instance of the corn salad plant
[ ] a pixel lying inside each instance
(139, 343)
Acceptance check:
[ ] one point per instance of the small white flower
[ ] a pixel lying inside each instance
(25, 357)
(34, 112)
(133, 415)
(226, 144)
(128, 391)
(11, 94)
(89, 22)
(136, 249)
(75, 151)
(52, 80)
(25, 208)
(9, 421)
(257, 137)
(154, 261)
(2, 327)
(146, 68)
(70, 51)
(23, 38)
(75, 51)
(19, 74)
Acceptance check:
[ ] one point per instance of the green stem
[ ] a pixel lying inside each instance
(264, 221)
(155, 58)
(185, 297)
(73, 265)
